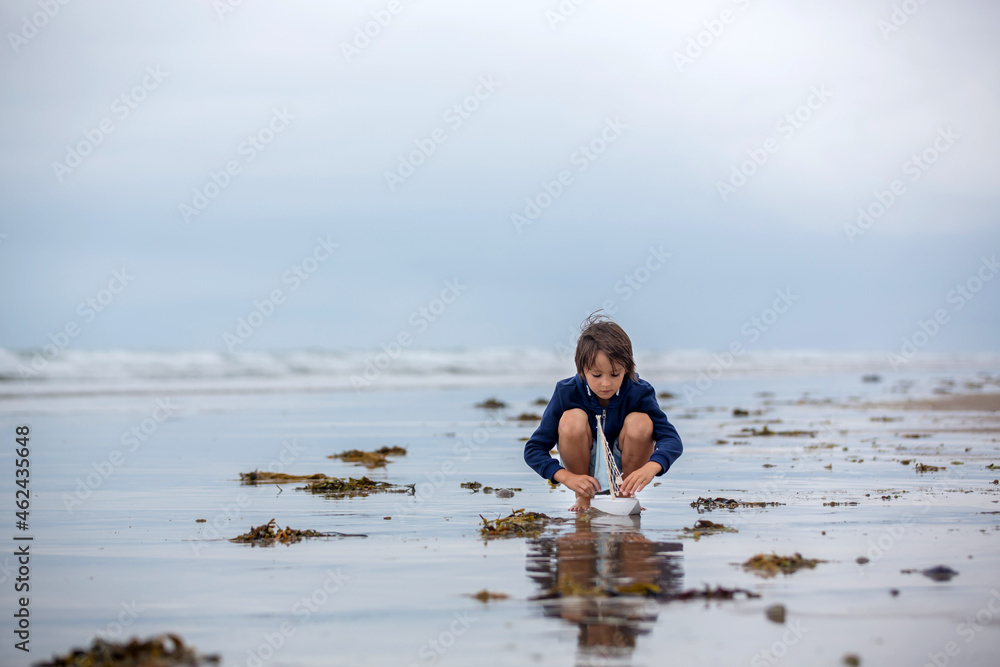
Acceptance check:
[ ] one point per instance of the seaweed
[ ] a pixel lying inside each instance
(527, 417)
(768, 565)
(717, 593)
(472, 486)
(167, 650)
(267, 534)
(823, 445)
(518, 524)
(264, 477)
(709, 504)
(335, 487)
(766, 431)
(485, 596)
(706, 527)
(921, 468)
(491, 403)
(376, 459)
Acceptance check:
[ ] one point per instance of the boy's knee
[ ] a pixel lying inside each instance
(638, 427)
(574, 424)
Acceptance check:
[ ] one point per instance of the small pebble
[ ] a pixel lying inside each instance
(852, 659)
(893, 592)
(860, 560)
(387, 518)
(776, 613)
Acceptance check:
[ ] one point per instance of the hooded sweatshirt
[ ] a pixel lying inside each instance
(573, 392)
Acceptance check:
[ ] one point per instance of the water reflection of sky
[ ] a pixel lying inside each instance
(607, 578)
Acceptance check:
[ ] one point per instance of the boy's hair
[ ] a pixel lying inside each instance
(599, 333)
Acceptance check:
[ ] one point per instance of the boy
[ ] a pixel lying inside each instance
(645, 443)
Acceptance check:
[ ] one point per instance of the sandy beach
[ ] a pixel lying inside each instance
(135, 498)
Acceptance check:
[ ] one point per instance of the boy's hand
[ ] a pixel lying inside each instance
(638, 480)
(585, 485)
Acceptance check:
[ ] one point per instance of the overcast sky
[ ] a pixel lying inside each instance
(413, 148)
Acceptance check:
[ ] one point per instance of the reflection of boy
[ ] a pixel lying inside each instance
(606, 384)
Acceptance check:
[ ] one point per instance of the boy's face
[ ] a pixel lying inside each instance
(603, 379)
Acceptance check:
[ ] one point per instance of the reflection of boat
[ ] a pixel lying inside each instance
(611, 503)
(608, 579)
(618, 506)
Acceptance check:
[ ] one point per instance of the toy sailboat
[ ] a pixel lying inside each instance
(612, 504)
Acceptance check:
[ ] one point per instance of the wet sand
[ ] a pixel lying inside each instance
(124, 555)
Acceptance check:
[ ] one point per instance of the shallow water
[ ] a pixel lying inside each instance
(123, 555)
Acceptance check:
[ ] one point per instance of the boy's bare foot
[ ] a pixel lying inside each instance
(582, 504)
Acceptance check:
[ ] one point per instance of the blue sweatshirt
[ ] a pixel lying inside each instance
(573, 392)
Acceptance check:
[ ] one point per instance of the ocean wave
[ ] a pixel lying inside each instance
(100, 371)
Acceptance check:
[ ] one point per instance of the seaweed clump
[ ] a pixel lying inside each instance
(768, 565)
(485, 596)
(492, 403)
(768, 432)
(268, 534)
(518, 524)
(161, 651)
(923, 467)
(717, 593)
(335, 487)
(706, 527)
(264, 477)
(709, 504)
(376, 459)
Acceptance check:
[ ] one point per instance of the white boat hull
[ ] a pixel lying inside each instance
(616, 506)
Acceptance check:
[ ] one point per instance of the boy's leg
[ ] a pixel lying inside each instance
(575, 441)
(636, 442)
